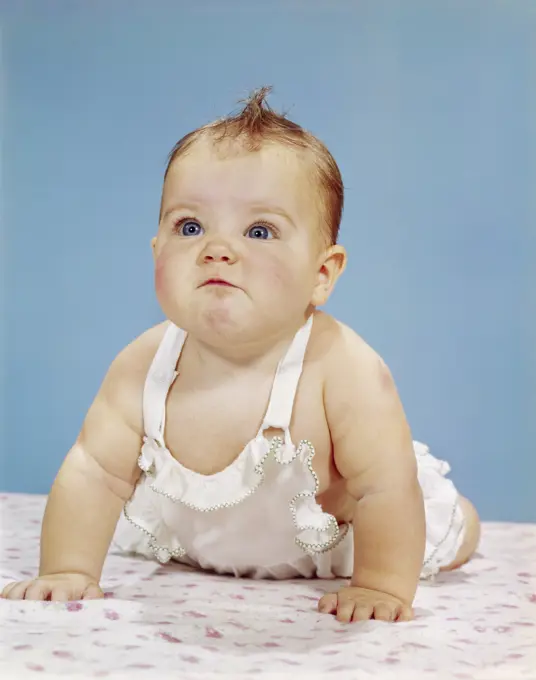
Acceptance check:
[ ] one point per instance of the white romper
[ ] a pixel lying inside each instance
(258, 517)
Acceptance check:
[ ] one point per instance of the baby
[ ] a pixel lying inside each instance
(251, 434)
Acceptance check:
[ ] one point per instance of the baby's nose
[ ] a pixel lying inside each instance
(217, 257)
(219, 252)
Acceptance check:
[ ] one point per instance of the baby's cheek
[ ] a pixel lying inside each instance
(160, 275)
(276, 273)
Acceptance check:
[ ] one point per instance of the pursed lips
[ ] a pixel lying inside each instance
(215, 281)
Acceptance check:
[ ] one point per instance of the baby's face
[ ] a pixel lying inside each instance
(239, 243)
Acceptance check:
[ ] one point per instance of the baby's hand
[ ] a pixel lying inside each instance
(54, 587)
(360, 604)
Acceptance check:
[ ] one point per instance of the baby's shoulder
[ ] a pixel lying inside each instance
(338, 345)
(350, 366)
(124, 382)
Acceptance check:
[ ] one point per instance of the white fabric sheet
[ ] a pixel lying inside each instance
(478, 623)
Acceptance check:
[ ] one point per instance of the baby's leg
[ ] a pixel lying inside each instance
(471, 538)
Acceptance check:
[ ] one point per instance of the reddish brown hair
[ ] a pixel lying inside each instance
(257, 123)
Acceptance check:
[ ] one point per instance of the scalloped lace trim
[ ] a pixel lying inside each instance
(317, 531)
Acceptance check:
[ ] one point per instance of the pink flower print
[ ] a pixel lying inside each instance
(238, 625)
(168, 638)
(111, 614)
(190, 659)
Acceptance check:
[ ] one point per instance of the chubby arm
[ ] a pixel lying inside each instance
(96, 478)
(100, 471)
(373, 451)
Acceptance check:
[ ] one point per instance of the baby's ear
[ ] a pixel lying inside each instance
(330, 267)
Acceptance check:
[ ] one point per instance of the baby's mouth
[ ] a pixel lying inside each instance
(217, 282)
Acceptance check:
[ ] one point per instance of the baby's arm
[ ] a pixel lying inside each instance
(96, 478)
(373, 451)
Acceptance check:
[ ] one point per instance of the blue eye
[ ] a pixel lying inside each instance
(259, 231)
(190, 228)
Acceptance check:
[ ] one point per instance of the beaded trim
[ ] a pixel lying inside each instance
(275, 445)
(331, 525)
(161, 553)
(432, 555)
(164, 554)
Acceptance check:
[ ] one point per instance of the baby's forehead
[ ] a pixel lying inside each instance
(208, 150)
(273, 169)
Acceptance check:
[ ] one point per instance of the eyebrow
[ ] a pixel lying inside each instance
(254, 208)
(194, 207)
(273, 210)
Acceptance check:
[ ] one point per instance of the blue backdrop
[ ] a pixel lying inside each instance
(430, 109)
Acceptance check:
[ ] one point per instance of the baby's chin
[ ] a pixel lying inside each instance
(228, 326)
(213, 325)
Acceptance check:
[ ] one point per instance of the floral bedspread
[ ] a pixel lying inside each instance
(478, 623)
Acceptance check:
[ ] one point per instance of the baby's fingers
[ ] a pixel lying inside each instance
(15, 591)
(328, 603)
(345, 611)
(362, 612)
(6, 589)
(386, 612)
(92, 592)
(37, 590)
(405, 614)
(62, 593)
